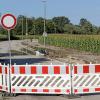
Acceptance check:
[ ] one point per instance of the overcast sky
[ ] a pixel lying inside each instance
(74, 9)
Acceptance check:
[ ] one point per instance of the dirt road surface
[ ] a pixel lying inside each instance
(38, 97)
(22, 59)
(73, 56)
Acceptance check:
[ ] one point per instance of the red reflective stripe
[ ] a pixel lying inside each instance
(67, 69)
(68, 91)
(85, 90)
(22, 70)
(0, 70)
(75, 69)
(57, 90)
(85, 69)
(13, 90)
(0, 87)
(56, 70)
(75, 91)
(97, 89)
(45, 70)
(33, 70)
(34, 90)
(97, 68)
(5, 70)
(12, 69)
(23, 90)
(45, 90)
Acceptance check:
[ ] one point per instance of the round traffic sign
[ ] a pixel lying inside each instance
(8, 21)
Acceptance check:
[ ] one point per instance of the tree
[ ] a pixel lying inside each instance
(60, 23)
(39, 25)
(68, 28)
(50, 27)
(86, 25)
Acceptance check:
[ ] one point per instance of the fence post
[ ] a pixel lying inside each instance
(71, 75)
(1, 77)
(9, 66)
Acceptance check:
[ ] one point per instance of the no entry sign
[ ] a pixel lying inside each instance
(8, 21)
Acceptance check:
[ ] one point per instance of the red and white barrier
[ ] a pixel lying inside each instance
(86, 79)
(49, 79)
(4, 78)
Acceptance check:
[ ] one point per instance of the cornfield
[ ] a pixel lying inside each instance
(90, 43)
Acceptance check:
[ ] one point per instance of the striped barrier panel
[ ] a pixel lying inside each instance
(86, 79)
(43, 79)
(4, 78)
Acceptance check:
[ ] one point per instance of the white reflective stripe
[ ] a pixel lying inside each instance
(91, 90)
(62, 69)
(80, 90)
(51, 91)
(80, 69)
(16, 70)
(39, 69)
(92, 68)
(51, 69)
(40, 90)
(17, 90)
(63, 91)
(3, 70)
(28, 69)
(28, 90)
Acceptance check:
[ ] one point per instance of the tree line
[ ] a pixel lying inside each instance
(60, 24)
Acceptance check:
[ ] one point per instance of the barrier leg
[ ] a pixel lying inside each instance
(6, 94)
(72, 95)
(0, 95)
(12, 94)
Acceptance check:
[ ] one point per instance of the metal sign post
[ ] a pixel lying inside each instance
(8, 22)
(44, 33)
(9, 47)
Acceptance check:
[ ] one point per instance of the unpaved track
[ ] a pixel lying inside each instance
(22, 59)
(15, 44)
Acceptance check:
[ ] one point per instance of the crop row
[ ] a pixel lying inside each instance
(89, 43)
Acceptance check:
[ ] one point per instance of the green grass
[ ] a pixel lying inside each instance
(3, 37)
